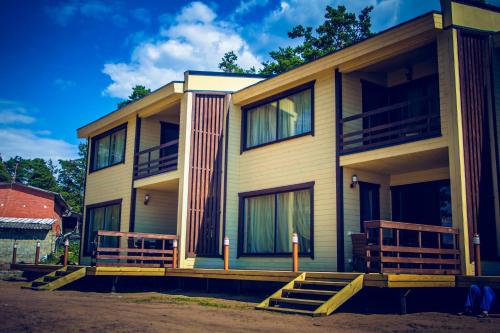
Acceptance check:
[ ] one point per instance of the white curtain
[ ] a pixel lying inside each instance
(261, 124)
(117, 147)
(294, 215)
(259, 224)
(104, 218)
(101, 153)
(295, 114)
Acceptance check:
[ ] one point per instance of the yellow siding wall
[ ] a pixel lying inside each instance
(309, 158)
(150, 134)
(159, 215)
(114, 182)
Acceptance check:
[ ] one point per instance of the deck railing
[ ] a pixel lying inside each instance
(115, 248)
(156, 160)
(397, 247)
(389, 125)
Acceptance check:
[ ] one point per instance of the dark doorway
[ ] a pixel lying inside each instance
(423, 203)
(169, 132)
(369, 203)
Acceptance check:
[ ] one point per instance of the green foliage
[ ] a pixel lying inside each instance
(71, 178)
(4, 174)
(228, 64)
(34, 172)
(339, 30)
(55, 257)
(138, 92)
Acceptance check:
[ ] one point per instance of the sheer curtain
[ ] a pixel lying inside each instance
(261, 124)
(101, 153)
(259, 224)
(117, 145)
(295, 114)
(294, 215)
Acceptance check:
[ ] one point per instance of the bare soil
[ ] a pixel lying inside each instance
(24, 310)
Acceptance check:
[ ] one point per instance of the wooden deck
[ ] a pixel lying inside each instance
(386, 280)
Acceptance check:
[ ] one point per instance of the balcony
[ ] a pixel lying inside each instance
(398, 123)
(156, 160)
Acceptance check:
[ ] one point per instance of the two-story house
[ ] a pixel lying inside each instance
(402, 126)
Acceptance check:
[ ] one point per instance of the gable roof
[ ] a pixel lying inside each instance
(57, 197)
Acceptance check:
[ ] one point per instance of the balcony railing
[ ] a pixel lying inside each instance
(156, 160)
(390, 125)
(115, 248)
(397, 247)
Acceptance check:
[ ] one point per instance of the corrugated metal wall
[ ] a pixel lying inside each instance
(203, 225)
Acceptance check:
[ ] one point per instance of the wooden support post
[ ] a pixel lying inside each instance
(66, 245)
(174, 254)
(37, 253)
(295, 252)
(403, 293)
(14, 253)
(477, 254)
(142, 250)
(226, 253)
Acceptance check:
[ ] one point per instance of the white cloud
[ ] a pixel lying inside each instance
(193, 39)
(30, 144)
(12, 112)
(246, 6)
(63, 84)
(63, 13)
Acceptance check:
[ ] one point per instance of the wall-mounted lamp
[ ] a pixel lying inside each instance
(354, 181)
(146, 198)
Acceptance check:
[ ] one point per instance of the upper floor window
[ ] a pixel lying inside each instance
(284, 116)
(108, 148)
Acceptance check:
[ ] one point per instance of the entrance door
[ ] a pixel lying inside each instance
(369, 203)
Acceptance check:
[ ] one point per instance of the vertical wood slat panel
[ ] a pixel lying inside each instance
(204, 198)
(474, 52)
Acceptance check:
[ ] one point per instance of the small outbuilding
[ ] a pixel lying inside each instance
(27, 215)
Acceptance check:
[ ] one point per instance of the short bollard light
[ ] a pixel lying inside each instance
(174, 254)
(14, 253)
(295, 252)
(226, 253)
(37, 253)
(66, 246)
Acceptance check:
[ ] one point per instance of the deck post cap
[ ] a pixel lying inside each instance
(37, 243)
(66, 242)
(226, 241)
(15, 245)
(295, 238)
(174, 243)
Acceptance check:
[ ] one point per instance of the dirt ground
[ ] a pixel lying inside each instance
(24, 310)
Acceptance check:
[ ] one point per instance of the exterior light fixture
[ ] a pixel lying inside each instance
(354, 181)
(146, 198)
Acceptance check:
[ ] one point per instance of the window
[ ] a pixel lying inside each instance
(104, 216)
(287, 115)
(108, 148)
(269, 218)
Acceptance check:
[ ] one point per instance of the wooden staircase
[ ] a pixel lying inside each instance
(58, 278)
(314, 294)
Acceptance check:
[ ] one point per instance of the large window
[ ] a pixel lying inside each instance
(104, 216)
(287, 115)
(108, 148)
(269, 218)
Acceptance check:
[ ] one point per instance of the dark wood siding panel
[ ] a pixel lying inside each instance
(474, 53)
(203, 234)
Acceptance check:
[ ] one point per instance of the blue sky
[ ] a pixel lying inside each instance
(66, 63)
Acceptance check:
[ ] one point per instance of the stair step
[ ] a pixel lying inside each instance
(62, 273)
(287, 310)
(38, 283)
(321, 283)
(315, 292)
(297, 301)
(49, 278)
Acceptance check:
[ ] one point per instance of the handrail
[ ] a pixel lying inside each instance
(380, 130)
(413, 248)
(163, 145)
(147, 165)
(135, 251)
